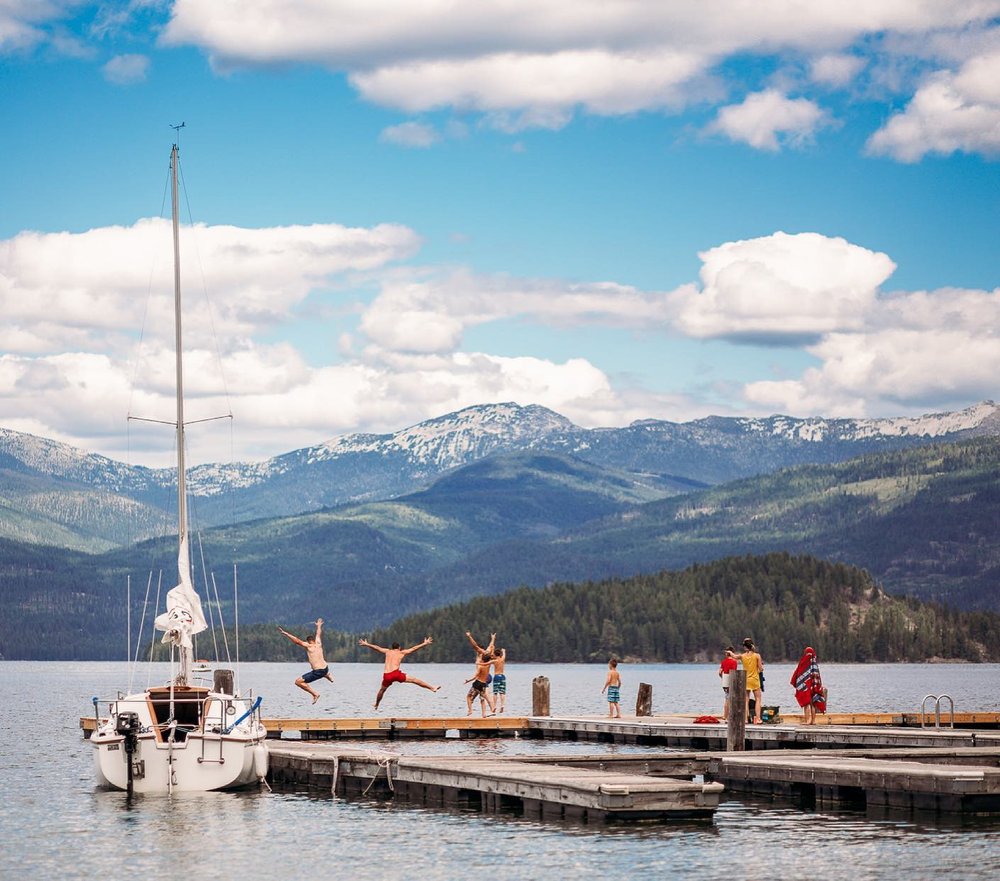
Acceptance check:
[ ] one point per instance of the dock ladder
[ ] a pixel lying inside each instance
(937, 698)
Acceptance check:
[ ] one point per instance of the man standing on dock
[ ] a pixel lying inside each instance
(314, 652)
(393, 660)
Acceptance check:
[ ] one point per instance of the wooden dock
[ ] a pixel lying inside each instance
(541, 789)
(957, 782)
(841, 731)
(682, 733)
(645, 786)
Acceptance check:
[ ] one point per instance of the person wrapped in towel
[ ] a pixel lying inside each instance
(808, 685)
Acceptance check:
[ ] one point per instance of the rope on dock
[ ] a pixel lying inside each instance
(383, 762)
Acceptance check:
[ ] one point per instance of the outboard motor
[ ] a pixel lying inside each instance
(127, 725)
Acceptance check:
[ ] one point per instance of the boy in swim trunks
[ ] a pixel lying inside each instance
(499, 681)
(479, 682)
(613, 685)
(314, 652)
(393, 659)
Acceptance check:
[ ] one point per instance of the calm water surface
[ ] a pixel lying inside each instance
(56, 824)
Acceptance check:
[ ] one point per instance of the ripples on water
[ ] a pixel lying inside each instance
(56, 824)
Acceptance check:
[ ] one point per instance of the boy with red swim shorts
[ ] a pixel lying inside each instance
(394, 657)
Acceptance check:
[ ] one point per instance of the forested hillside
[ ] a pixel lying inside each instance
(783, 602)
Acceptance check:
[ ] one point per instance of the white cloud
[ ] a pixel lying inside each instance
(123, 70)
(96, 282)
(835, 71)
(19, 20)
(937, 349)
(544, 88)
(950, 112)
(767, 119)
(781, 289)
(410, 134)
(527, 64)
(428, 313)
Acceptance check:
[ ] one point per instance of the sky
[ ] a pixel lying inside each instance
(393, 209)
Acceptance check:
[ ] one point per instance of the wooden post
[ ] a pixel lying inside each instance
(644, 700)
(736, 731)
(540, 696)
(222, 681)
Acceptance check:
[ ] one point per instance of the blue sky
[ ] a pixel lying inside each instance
(619, 209)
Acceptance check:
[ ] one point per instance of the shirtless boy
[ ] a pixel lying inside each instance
(314, 652)
(479, 682)
(613, 686)
(499, 680)
(393, 659)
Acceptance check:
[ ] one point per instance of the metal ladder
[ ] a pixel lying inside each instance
(937, 698)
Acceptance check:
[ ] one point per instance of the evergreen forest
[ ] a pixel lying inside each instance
(782, 602)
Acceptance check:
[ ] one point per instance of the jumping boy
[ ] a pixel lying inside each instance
(393, 659)
(314, 652)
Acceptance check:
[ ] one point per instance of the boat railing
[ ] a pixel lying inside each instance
(210, 720)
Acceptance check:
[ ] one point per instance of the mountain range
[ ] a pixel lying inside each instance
(54, 494)
(922, 521)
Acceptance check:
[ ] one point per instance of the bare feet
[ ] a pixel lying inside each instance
(315, 698)
(436, 688)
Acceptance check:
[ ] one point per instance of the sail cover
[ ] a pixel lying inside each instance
(183, 617)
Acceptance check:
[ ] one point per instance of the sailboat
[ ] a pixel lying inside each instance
(181, 737)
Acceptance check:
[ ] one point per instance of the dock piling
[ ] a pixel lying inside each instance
(737, 711)
(644, 700)
(540, 696)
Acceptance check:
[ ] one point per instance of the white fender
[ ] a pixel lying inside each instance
(261, 761)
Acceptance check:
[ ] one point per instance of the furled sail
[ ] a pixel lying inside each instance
(183, 617)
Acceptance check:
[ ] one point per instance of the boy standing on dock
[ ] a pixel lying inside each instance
(613, 686)
(393, 660)
(314, 652)
(500, 681)
(728, 666)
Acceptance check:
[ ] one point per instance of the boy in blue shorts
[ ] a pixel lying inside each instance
(314, 652)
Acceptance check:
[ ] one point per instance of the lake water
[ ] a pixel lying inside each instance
(57, 824)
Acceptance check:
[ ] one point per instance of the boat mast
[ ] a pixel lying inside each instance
(183, 559)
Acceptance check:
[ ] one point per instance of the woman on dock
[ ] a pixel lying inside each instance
(754, 666)
(808, 685)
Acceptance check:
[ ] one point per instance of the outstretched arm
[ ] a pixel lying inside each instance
(371, 645)
(294, 639)
(479, 649)
(319, 628)
(419, 645)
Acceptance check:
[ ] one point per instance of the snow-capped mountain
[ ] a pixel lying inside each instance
(363, 467)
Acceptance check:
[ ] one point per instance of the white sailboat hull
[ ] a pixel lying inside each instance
(200, 757)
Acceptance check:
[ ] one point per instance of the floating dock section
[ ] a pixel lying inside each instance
(956, 782)
(531, 788)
